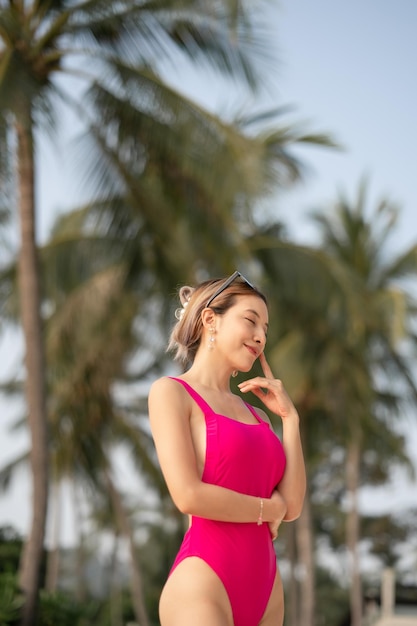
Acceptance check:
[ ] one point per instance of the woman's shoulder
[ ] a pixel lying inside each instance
(164, 384)
(169, 402)
(167, 388)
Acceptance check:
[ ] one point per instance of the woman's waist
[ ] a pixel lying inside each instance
(205, 536)
(202, 524)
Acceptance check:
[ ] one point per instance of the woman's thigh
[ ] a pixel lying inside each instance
(194, 594)
(274, 612)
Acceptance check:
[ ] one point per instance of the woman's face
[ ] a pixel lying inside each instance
(241, 331)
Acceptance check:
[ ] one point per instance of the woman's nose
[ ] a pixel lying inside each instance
(259, 338)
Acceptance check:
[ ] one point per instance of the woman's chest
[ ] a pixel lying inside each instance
(227, 449)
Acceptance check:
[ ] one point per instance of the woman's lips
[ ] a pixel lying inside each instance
(253, 351)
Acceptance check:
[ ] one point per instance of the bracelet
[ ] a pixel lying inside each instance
(261, 510)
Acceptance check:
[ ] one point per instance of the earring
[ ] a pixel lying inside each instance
(235, 373)
(212, 338)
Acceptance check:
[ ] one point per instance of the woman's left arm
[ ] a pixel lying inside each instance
(273, 394)
(293, 484)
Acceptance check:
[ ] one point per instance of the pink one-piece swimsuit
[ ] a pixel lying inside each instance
(250, 459)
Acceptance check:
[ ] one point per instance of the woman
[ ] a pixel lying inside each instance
(223, 464)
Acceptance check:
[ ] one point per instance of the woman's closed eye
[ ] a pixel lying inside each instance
(253, 322)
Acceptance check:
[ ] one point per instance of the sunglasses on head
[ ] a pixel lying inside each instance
(226, 284)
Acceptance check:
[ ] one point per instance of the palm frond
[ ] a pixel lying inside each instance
(7, 471)
(402, 266)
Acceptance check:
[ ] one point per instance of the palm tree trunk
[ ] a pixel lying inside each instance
(305, 550)
(30, 301)
(116, 608)
(352, 530)
(135, 578)
(292, 590)
(52, 569)
(81, 552)
(304, 535)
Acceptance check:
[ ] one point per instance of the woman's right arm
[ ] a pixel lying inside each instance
(169, 414)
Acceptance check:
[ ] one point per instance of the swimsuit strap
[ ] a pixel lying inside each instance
(196, 396)
(255, 414)
(212, 449)
(206, 408)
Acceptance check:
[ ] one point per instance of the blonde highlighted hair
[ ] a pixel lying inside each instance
(186, 335)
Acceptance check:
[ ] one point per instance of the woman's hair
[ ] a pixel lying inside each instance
(186, 335)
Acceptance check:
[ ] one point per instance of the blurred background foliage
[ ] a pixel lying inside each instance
(176, 195)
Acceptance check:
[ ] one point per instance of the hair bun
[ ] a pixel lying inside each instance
(185, 294)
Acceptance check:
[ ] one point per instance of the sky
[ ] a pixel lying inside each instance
(346, 68)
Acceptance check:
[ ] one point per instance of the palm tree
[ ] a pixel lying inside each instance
(332, 329)
(357, 239)
(311, 301)
(109, 47)
(88, 342)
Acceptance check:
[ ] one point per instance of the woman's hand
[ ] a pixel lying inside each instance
(270, 390)
(282, 509)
